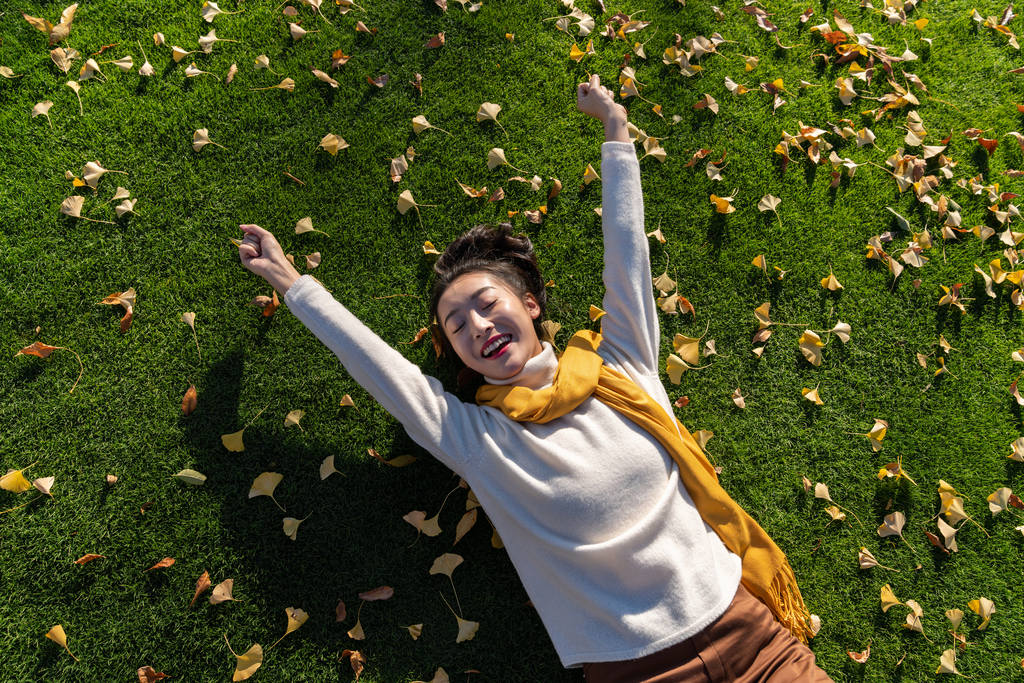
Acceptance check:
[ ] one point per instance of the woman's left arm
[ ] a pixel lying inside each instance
(630, 326)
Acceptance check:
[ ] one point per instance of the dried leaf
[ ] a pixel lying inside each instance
(202, 585)
(293, 417)
(85, 559)
(191, 477)
(222, 592)
(247, 663)
(265, 484)
(446, 564)
(148, 674)
(162, 564)
(382, 593)
(56, 634)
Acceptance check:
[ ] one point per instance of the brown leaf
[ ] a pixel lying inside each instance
(340, 612)
(272, 307)
(465, 524)
(338, 58)
(380, 81)
(37, 349)
(682, 402)
(89, 558)
(166, 562)
(126, 321)
(860, 657)
(382, 593)
(357, 659)
(417, 83)
(436, 41)
(148, 674)
(936, 541)
(989, 145)
(188, 401)
(145, 506)
(201, 585)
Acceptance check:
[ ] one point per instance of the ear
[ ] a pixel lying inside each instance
(531, 305)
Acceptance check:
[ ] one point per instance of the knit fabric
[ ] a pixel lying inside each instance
(609, 545)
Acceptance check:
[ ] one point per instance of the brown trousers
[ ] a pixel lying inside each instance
(745, 645)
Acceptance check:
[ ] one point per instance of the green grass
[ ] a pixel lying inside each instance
(124, 416)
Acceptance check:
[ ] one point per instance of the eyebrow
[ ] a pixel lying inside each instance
(475, 295)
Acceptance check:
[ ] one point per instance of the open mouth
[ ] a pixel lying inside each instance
(496, 345)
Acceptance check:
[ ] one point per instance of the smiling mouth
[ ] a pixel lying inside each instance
(496, 345)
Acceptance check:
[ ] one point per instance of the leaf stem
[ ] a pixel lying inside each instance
(34, 500)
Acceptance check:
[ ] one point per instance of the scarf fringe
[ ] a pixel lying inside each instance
(787, 605)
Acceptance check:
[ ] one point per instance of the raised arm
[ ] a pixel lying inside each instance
(435, 419)
(630, 328)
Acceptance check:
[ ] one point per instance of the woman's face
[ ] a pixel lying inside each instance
(488, 325)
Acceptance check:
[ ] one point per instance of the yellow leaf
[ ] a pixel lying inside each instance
(722, 204)
(327, 467)
(233, 442)
(465, 524)
(590, 175)
(688, 348)
(247, 663)
(947, 663)
(296, 618)
(291, 526)
(446, 564)
(356, 632)
(265, 484)
(56, 634)
(760, 262)
(921, 23)
(888, 598)
(812, 395)
(293, 417)
(192, 477)
(761, 313)
(467, 629)
(810, 346)
(576, 54)
(830, 283)
(15, 482)
(496, 541)
(595, 313)
(984, 608)
(416, 630)
(676, 367)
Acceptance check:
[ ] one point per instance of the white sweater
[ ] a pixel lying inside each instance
(605, 538)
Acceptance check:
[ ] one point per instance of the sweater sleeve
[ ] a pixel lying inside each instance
(630, 327)
(435, 419)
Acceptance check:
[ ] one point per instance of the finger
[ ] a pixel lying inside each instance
(253, 229)
(582, 90)
(595, 81)
(247, 252)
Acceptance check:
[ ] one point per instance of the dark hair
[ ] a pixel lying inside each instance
(497, 252)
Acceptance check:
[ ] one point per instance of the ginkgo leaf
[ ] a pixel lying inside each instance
(356, 632)
(812, 396)
(955, 616)
(291, 526)
(888, 598)
(999, 500)
(247, 663)
(489, 112)
(467, 629)
(15, 482)
(43, 109)
(420, 124)
(948, 535)
(233, 442)
(305, 225)
(44, 484)
(177, 53)
(418, 519)
(192, 71)
(357, 660)
(210, 10)
(914, 618)
(984, 608)
(332, 143)
(201, 138)
(286, 84)
(810, 346)
(835, 513)
(297, 31)
(293, 417)
(222, 592)
(892, 525)
(56, 634)
(831, 283)
(590, 175)
(947, 663)
(265, 484)
(406, 202)
(768, 203)
(191, 477)
(861, 657)
(722, 204)
(446, 564)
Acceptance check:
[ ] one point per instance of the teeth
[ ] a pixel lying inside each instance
(492, 347)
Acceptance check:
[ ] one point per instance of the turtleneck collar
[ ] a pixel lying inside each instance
(539, 371)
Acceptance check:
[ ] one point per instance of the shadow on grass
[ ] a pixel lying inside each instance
(354, 538)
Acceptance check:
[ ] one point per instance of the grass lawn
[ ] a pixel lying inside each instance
(124, 416)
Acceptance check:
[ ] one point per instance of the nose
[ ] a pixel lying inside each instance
(481, 325)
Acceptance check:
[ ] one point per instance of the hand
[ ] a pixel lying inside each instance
(593, 99)
(262, 254)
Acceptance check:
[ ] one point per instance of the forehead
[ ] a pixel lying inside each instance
(462, 289)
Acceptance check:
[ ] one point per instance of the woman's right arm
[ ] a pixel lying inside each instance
(434, 418)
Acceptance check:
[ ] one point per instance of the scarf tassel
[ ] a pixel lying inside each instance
(786, 604)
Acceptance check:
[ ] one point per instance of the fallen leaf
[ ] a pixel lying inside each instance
(148, 674)
(812, 396)
(489, 112)
(356, 659)
(446, 564)
(435, 41)
(56, 634)
(265, 484)
(292, 418)
(416, 630)
(202, 585)
(888, 598)
(382, 593)
(85, 559)
(291, 526)
(947, 663)
(984, 608)
(189, 400)
(465, 524)
(247, 663)
(191, 477)
(201, 138)
(222, 592)
(861, 657)
(162, 564)
(892, 525)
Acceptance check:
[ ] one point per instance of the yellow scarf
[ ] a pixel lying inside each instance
(581, 372)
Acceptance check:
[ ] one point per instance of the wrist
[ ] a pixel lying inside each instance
(283, 278)
(615, 129)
